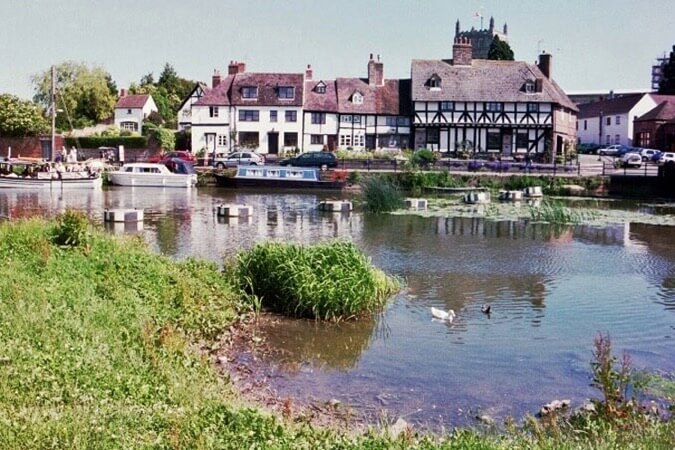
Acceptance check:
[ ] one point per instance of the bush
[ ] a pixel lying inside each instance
(423, 157)
(107, 141)
(329, 281)
(71, 229)
(381, 195)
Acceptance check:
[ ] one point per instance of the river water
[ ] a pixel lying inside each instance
(552, 291)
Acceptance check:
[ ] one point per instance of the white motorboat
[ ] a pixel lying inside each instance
(24, 174)
(155, 175)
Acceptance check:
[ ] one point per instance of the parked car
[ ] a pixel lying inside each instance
(312, 159)
(610, 150)
(180, 154)
(647, 154)
(240, 158)
(587, 149)
(631, 160)
(666, 157)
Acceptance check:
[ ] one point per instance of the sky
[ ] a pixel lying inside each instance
(597, 45)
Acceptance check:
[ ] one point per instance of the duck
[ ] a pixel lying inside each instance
(448, 315)
(486, 309)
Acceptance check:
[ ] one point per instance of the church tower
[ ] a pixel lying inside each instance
(481, 39)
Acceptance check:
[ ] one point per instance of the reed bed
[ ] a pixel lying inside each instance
(380, 194)
(557, 213)
(330, 281)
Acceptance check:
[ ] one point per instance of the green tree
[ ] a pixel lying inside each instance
(86, 95)
(20, 117)
(667, 85)
(500, 50)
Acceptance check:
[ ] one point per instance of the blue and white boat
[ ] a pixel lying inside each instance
(281, 177)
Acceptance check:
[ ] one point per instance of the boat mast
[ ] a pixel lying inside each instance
(53, 111)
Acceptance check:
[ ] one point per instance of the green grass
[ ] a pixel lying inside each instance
(556, 213)
(380, 194)
(332, 281)
(98, 350)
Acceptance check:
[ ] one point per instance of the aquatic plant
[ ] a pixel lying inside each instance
(381, 195)
(333, 280)
(556, 213)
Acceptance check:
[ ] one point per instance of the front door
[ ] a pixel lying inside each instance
(46, 149)
(331, 142)
(370, 141)
(507, 138)
(273, 143)
(210, 143)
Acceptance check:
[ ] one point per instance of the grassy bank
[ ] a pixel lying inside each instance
(98, 350)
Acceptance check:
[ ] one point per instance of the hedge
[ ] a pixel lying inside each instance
(108, 141)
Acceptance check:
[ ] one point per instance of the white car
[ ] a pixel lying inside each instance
(666, 157)
(240, 158)
(648, 153)
(631, 160)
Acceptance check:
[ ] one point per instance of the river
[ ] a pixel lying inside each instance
(551, 290)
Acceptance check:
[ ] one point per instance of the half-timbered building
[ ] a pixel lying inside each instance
(184, 119)
(490, 107)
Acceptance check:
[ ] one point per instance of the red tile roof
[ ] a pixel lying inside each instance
(609, 107)
(132, 101)
(228, 92)
(326, 102)
(664, 111)
(392, 98)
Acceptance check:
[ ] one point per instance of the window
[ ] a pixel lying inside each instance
(316, 139)
(290, 139)
(249, 115)
(249, 139)
(447, 106)
(494, 140)
(213, 111)
(585, 124)
(222, 140)
(286, 92)
(320, 88)
(291, 116)
(529, 87)
(391, 121)
(434, 82)
(128, 111)
(617, 120)
(346, 119)
(318, 118)
(533, 107)
(432, 136)
(345, 140)
(522, 140)
(644, 139)
(609, 121)
(356, 119)
(273, 115)
(129, 126)
(359, 140)
(617, 139)
(249, 92)
(357, 98)
(607, 139)
(494, 106)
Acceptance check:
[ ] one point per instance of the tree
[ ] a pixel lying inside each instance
(20, 117)
(500, 50)
(168, 92)
(667, 85)
(86, 95)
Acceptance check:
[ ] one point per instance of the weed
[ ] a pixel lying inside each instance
(381, 195)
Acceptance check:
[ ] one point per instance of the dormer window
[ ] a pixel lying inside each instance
(320, 88)
(249, 92)
(286, 92)
(434, 82)
(529, 87)
(357, 98)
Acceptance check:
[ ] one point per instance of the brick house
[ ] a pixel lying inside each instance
(656, 128)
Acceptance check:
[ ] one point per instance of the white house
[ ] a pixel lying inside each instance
(610, 121)
(320, 116)
(499, 107)
(255, 110)
(130, 110)
(185, 110)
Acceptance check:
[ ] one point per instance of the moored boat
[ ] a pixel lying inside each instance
(25, 174)
(155, 175)
(281, 177)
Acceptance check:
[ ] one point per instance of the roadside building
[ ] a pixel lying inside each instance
(610, 121)
(499, 108)
(184, 117)
(320, 115)
(656, 128)
(130, 110)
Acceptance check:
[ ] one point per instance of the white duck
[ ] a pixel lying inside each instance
(439, 314)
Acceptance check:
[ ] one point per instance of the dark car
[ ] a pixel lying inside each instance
(312, 159)
(587, 149)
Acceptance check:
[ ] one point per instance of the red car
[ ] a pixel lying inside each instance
(181, 154)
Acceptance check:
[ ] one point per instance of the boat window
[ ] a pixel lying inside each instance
(254, 172)
(129, 169)
(295, 174)
(273, 173)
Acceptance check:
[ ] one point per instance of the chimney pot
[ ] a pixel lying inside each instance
(461, 52)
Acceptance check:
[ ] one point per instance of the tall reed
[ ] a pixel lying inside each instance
(556, 213)
(330, 281)
(381, 195)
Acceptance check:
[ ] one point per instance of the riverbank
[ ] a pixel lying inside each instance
(105, 345)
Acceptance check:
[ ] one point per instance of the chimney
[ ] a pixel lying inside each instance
(461, 52)
(308, 73)
(215, 79)
(123, 93)
(545, 64)
(236, 67)
(375, 72)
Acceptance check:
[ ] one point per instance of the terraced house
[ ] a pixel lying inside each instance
(501, 107)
